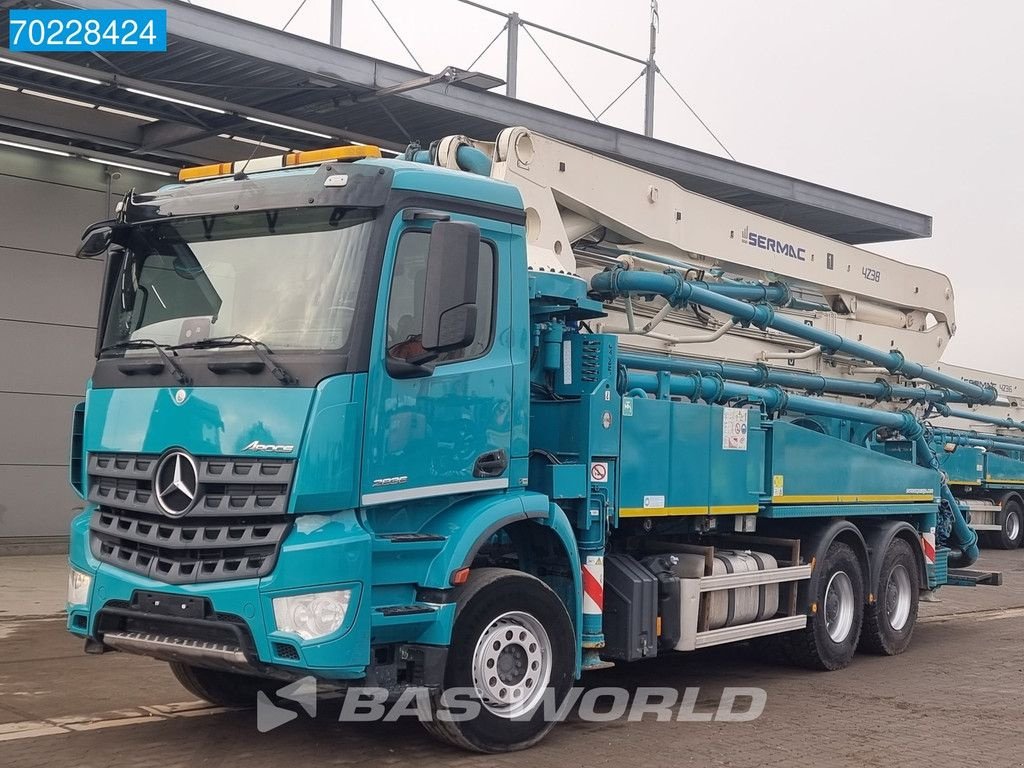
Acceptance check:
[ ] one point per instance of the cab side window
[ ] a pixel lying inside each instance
(405, 304)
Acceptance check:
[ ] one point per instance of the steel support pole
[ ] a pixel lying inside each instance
(652, 71)
(336, 23)
(512, 63)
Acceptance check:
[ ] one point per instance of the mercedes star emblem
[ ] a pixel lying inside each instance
(176, 483)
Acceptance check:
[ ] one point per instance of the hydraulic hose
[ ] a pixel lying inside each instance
(962, 532)
(976, 440)
(759, 375)
(980, 418)
(678, 291)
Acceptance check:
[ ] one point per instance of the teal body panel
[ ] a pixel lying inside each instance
(807, 467)
(328, 474)
(982, 470)
(431, 179)
(462, 524)
(519, 339)
(964, 466)
(211, 421)
(1003, 470)
(673, 460)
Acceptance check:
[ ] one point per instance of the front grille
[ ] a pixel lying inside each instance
(233, 531)
(227, 486)
(185, 552)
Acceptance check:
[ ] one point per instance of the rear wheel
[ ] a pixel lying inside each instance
(513, 645)
(889, 621)
(1012, 531)
(225, 689)
(829, 640)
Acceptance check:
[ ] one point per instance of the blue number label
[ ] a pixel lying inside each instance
(47, 30)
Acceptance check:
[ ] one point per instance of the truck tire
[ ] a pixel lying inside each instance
(1012, 521)
(829, 640)
(512, 645)
(889, 621)
(225, 689)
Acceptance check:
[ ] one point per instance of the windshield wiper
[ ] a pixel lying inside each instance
(263, 352)
(179, 373)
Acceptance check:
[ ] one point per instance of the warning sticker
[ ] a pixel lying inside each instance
(599, 471)
(734, 429)
(778, 482)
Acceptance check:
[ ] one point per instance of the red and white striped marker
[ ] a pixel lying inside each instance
(593, 585)
(928, 545)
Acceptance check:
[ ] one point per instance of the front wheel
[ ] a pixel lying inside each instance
(829, 640)
(513, 650)
(889, 622)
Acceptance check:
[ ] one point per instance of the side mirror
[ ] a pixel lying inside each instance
(95, 242)
(449, 306)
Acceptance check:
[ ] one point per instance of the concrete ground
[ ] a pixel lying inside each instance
(33, 585)
(955, 698)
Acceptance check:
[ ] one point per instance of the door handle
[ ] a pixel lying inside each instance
(491, 464)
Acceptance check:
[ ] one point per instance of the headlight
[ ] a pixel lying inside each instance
(78, 587)
(314, 615)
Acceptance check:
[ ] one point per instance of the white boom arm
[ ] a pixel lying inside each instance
(1010, 404)
(578, 201)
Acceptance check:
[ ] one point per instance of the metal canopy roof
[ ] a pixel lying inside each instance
(245, 74)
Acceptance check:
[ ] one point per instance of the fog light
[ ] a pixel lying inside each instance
(78, 587)
(314, 615)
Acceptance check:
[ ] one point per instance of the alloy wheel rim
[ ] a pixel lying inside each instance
(898, 597)
(512, 664)
(839, 606)
(1013, 526)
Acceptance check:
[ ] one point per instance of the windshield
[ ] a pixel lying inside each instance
(290, 278)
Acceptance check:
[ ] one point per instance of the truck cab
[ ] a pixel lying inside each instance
(309, 407)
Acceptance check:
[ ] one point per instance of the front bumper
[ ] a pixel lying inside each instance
(231, 624)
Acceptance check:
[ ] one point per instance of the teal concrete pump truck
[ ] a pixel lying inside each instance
(427, 422)
(981, 449)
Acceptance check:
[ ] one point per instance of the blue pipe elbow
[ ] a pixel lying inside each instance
(473, 160)
(966, 536)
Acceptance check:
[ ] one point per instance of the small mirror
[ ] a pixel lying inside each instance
(95, 243)
(449, 306)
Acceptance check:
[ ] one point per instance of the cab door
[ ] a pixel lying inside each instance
(448, 432)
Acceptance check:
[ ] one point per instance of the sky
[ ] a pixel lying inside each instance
(917, 103)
